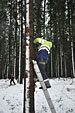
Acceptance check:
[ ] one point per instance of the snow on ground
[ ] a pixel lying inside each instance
(11, 97)
(62, 94)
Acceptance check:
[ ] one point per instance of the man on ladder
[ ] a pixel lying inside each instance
(44, 47)
(42, 58)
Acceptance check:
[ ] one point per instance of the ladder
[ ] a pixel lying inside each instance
(46, 93)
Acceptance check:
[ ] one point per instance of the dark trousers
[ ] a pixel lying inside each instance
(42, 66)
(12, 80)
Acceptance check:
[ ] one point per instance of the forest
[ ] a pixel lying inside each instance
(54, 20)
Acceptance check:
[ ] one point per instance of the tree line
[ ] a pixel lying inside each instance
(53, 20)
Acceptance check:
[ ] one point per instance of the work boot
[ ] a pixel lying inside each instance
(47, 84)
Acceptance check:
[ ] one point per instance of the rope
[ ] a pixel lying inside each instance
(29, 36)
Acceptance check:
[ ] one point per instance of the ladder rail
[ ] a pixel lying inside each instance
(46, 93)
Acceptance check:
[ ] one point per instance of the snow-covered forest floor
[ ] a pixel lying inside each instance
(62, 94)
(11, 98)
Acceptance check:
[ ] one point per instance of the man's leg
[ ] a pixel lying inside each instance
(42, 67)
(10, 82)
(14, 82)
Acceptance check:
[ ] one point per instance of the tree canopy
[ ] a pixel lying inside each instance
(53, 20)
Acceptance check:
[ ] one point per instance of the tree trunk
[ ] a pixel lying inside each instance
(73, 67)
(61, 53)
(65, 66)
(51, 64)
(31, 58)
(44, 19)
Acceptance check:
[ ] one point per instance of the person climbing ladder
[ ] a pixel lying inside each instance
(44, 47)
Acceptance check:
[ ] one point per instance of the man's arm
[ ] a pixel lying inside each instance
(50, 44)
(36, 41)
